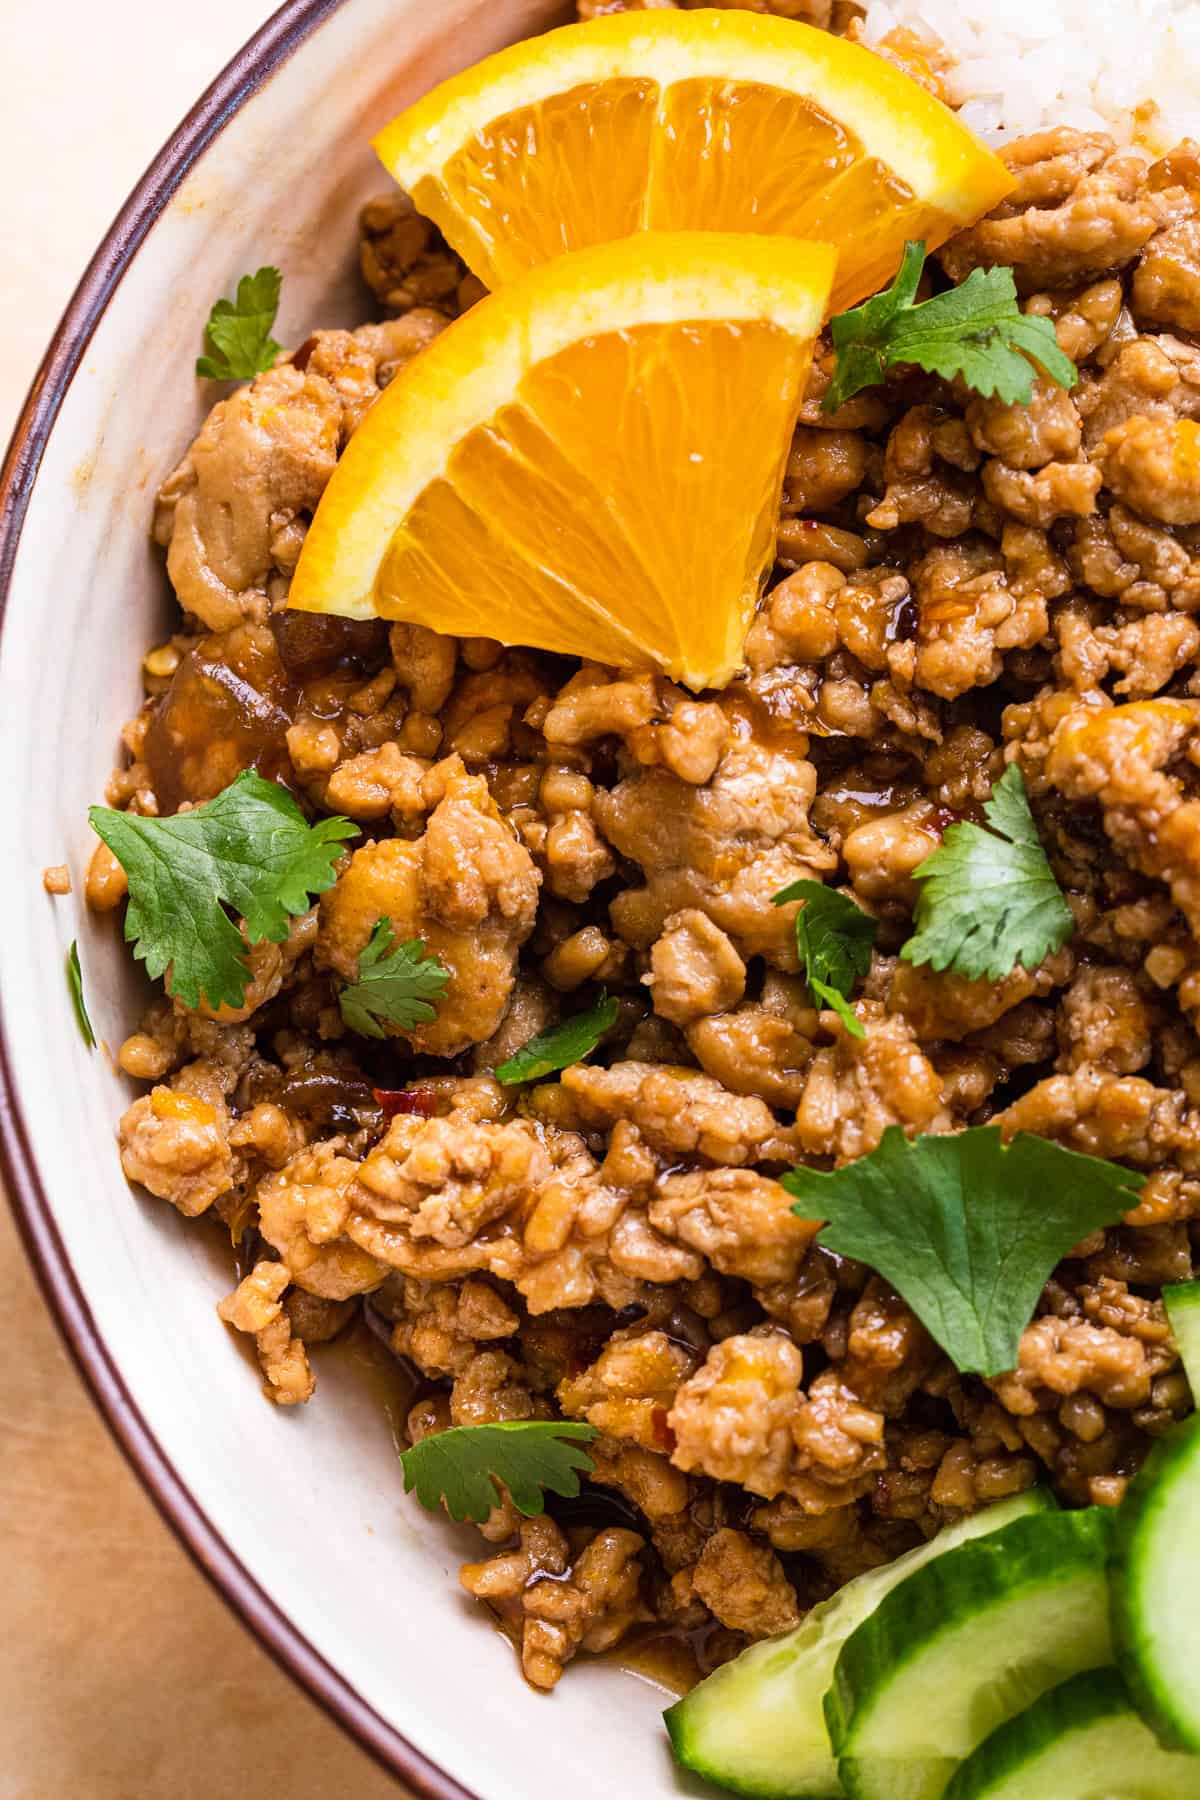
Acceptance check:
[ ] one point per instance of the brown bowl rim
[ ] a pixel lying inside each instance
(253, 66)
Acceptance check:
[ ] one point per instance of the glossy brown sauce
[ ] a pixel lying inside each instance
(228, 708)
(779, 717)
(670, 1658)
(392, 1383)
(232, 698)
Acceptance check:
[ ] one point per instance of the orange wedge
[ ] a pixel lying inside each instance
(712, 121)
(588, 461)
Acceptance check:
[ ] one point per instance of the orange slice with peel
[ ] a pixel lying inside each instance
(712, 121)
(588, 461)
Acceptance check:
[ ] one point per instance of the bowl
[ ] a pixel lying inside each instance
(298, 1517)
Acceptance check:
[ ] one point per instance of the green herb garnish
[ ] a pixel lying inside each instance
(966, 1229)
(75, 983)
(461, 1467)
(988, 898)
(833, 939)
(399, 983)
(563, 1045)
(975, 330)
(239, 331)
(250, 850)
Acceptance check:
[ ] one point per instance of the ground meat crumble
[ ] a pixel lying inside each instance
(959, 585)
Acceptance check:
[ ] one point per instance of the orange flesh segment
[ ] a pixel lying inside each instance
(782, 129)
(616, 516)
(614, 497)
(548, 178)
(674, 162)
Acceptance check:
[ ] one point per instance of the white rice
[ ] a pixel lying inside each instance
(1129, 67)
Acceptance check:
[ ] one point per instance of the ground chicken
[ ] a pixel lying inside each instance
(677, 1110)
(1119, 756)
(304, 1210)
(1166, 281)
(441, 1180)
(962, 583)
(232, 516)
(740, 1221)
(466, 889)
(858, 1086)
(589, 1605)
(1066, 1357)
(443, 1325)
(1153, 465)
(1075, 212)
(725, 848)
(694, 969)
(177, 1145)
(733, 1419)
(1107, 1020)
(762, 1047)
(743, 1584)
(254, 1306)
(629, 1391)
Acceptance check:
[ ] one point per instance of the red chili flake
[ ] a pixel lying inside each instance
(661, 1430)
(421, 1101)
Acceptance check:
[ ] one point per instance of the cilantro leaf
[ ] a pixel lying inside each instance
(834, 939)
(462, 1466)
(967, 1229)
(396, 982)
(976, 330)
(860, 335)
(988, 898)
(565, 1044)
(75, 983)
(239, 331)
(250, 849)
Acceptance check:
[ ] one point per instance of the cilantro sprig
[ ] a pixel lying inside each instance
(561, 1046)
(988, 898)
(461, 1467)
(75, 983)
(833, 940)
(239, 331)
(398, 984)
(967, 1229)
(250, 850)
(976, 330)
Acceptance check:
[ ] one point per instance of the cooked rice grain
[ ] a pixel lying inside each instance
(1129, 67)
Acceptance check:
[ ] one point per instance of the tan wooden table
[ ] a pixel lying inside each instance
(122, 1675)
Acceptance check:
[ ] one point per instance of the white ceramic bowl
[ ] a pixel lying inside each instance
(298, 1517)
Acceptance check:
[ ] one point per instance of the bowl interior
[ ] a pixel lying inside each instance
(310, 1501)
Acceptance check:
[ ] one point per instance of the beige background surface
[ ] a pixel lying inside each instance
(122, 1676)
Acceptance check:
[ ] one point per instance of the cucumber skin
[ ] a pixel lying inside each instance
(921, 1609)
(1182, 1302)
(1008, 1755)
(689, 1745)
(1171, 1461)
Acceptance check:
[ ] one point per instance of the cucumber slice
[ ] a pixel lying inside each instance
(1081, 1741)
(1155, 1594)
(756, 1727)
(962, 1646)
(1183, 1311)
